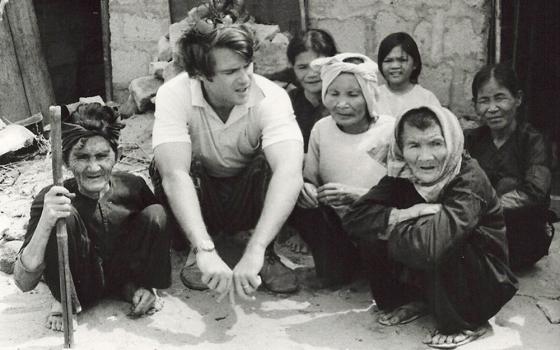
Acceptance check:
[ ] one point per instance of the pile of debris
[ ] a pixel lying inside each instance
(270, 58)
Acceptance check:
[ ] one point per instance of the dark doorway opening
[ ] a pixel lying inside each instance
(531, 41)
(71, 38)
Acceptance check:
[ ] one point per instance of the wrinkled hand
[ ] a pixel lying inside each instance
(215, 273)
(417, 210)
(57, 205)
(246, 273)
(308, 196)
(336, 194)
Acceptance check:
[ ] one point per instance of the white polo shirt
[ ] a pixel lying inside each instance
(183, 115)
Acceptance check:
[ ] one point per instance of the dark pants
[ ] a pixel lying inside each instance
(336, 257)
(528, 235)
(463, 287)
(228, 204)
(140, 255)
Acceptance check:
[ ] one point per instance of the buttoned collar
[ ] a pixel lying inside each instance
(256, 94)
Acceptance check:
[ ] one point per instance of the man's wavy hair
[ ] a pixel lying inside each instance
(195, 46)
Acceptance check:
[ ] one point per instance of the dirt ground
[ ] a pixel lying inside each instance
(326, 319)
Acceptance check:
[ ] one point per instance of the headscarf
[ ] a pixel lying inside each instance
(365, 73)
(71, 133)
(454, 141)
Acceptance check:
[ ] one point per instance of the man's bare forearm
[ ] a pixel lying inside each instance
(181, 195)
(280, 200)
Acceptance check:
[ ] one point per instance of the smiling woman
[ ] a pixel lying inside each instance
(517, 160)
(400, 64)
(306, 98)
(431, 233)
(116, 231)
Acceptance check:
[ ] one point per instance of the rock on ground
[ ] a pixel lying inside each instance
(551, 309)
(8, 253)
(142, 90)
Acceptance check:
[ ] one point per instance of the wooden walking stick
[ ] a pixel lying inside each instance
(66, 285)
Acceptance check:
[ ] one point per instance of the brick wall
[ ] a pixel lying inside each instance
(136, 26)
(451, 34)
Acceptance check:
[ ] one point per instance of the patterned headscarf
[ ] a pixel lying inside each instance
(71, 133)
(454, 142)
(365, 73)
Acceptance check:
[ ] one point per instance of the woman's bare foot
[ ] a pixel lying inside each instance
(296, 244)
(144, 301)
(54, 318)
(404, 314)
(439, 340)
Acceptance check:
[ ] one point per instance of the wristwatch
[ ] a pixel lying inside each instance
(205, 245)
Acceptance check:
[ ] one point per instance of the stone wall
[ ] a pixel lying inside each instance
(451, 34)
(136, 26)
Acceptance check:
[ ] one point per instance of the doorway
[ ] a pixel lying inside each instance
(71, 38)
(530, 40)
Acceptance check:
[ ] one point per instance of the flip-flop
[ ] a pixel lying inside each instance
(469, 337)
(414, 313)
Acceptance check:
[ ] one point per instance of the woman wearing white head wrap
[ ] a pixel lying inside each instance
(432, 233)
(365, 73)
(346, 156)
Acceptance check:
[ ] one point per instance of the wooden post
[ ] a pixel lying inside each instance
(13, 102)
(107, 64)
(35, 75)
(61, 234)
(303, 15)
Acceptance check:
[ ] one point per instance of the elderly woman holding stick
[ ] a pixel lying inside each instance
(116, 230)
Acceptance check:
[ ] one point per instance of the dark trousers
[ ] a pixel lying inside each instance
(228, 204)
(463, 287)
(336, 257)
(140, 255)
(528, 235)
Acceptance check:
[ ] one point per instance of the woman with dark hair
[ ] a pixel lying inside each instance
(116, 230)
(400, 64)
(432, 233)
(517, 161)
(306, 98)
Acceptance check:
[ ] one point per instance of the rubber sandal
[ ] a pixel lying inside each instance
(414, 313)
(470, 336)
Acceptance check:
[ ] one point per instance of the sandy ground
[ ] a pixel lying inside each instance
(327, 319)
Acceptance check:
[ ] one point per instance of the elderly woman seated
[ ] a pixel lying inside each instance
(516, 159)
(347, 155)
(432, 233)
(116, 231)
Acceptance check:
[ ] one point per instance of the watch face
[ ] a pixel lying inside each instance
(205, 246)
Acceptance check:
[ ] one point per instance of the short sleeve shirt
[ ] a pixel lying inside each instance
(395, 104)
(183, 115)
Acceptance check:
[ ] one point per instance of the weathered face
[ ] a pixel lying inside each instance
(309, 79)
(397, 68)
(91, 161)
(424, 151)
(496, 105)
(346, 103)
(231, 81)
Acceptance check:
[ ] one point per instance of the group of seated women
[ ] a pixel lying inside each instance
(389, 190)
(448, 214)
